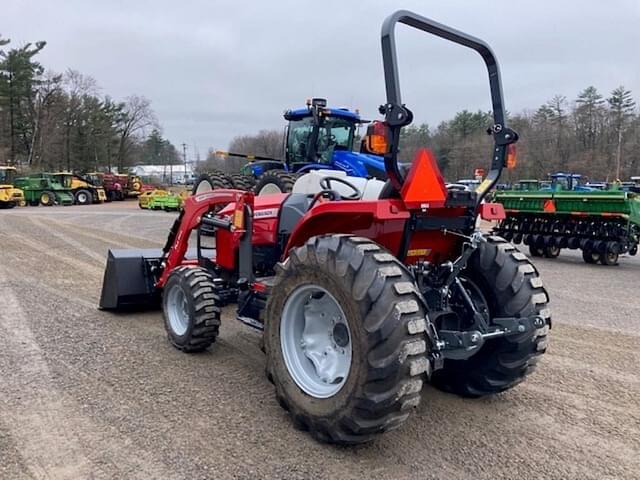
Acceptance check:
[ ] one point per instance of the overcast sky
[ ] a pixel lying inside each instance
(215, 69)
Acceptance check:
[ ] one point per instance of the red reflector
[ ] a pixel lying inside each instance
(260, 287)
(549, 206)
(424, 186)
(492, 211)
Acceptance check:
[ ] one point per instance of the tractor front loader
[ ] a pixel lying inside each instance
(359, 301)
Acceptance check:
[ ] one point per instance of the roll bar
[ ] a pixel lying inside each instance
(398, 116)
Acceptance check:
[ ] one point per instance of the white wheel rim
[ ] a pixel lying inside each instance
(316, 341)
(177, 310)
(204, 186)
(269, 188)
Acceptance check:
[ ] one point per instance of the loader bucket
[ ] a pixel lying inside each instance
(128, 283)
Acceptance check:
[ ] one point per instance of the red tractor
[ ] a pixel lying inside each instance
(119, 186)
(360, 301)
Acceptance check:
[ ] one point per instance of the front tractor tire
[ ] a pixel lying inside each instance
(191, 309)
(345, 339)
(509, 286)
(83, 197)
(275, 181)
(47, 198)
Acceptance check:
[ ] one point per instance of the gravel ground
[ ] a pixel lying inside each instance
(94, 395)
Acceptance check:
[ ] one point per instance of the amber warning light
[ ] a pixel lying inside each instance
(376, 139)
(511, 156)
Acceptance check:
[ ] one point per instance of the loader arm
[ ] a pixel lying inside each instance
(194, 209)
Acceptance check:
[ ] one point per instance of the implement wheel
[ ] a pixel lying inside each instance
(535, 251)
(589, 256)
(275, 181)
(191, 309)
(551, 251)
(610, 255)
(344, 339)
(502, 283)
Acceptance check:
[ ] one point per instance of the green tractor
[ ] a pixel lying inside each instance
(44, 189)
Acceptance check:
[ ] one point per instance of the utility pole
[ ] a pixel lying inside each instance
(618, 153)
(184, 158)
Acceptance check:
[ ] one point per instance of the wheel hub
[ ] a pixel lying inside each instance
(315, 341)
(178, 311)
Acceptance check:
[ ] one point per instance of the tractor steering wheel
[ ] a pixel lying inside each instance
(325, 183)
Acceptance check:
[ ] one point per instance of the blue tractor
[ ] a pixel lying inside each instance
(566, 181)
(317, 137)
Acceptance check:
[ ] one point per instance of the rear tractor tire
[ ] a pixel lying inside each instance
(508, 285)
(191, 309)
(211, 181)
(345, 339)
(243, 182)
(275, 181)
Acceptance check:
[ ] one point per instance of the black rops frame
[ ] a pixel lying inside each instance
(398, 116)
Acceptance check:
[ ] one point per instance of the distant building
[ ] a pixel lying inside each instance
(176, 174)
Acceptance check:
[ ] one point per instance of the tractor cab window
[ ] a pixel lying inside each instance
(95, 180)
(298, 139)
(335, 134)
(338, 133)
(6, 177)
(65, 180)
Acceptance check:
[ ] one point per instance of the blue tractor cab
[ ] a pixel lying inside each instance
(566, 181)
(317, 137)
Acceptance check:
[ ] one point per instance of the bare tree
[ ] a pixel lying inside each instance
(267, 143)
(137, 116)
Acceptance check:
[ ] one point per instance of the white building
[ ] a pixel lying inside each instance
(175, 174)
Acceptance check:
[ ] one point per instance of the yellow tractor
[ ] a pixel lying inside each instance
(9, 195)
(83, 190)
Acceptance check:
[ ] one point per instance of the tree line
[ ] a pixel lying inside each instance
(53, 121)
(593, 134)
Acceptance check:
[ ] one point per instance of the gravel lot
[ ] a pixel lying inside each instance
(93, 395)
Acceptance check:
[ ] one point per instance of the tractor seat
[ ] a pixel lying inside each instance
(387, 190)
(292, 210)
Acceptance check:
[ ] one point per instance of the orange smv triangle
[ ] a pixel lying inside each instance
(424, 185)
(549, 206)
